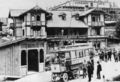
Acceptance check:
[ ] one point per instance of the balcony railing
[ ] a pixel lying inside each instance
(67, 36)
(18, 24)
(35, 23)
(96, 23)
(37, 37)
(97, 36)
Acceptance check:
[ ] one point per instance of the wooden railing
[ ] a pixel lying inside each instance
(18, 24)
(34, 23)
(66, 36)
(96, 23)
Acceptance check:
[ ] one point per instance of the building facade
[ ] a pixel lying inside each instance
(62, 27)
(26, 53)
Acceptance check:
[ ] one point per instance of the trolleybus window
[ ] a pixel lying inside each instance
(77, 54)
(86, 52)
(73, 54)
(67, 55)
(80, 54)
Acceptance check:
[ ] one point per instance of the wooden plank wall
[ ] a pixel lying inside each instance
(10, 60)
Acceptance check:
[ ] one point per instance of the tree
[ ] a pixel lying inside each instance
(118, 29)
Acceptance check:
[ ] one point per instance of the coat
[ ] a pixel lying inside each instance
(99, 68)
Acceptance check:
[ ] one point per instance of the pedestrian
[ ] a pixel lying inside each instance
(102, 55)
(89, 70)
(109, 55)
(84, 71)
(99, 69)
(116, 57)
(119, 55)
(106, 56)
(92, 66)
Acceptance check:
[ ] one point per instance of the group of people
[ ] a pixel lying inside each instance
(106, 55)
(89, 69)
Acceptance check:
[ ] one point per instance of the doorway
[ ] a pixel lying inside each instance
(33, 60)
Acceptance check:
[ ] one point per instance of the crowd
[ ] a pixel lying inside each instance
(88, 69)
(104, 55)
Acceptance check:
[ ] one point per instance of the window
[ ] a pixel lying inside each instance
(38, 18)
(77, 54)
(91, 4)
(80, 54)
(95, 18)
(73, 54)
(41, 56)
(33, 18)
(67, 55)
(63, 16)
(23, 32)
(23, 57)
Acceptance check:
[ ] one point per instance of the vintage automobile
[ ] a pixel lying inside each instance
(69, 60)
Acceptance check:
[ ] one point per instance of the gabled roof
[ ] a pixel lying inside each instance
(86, 12)
(19, 12)
(91, 10)
(70, 21)
(34, 9)
(16, 12)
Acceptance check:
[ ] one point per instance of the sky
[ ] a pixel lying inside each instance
(6, 5)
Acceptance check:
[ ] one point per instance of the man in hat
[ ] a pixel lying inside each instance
(99, 69)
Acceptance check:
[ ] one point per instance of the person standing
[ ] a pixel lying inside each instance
(119, 55)
(105, 56)
(116, 57)
(114, 51)
(109, 55)
(99, 69)
(84, 71)
(92, 66)
(89, 70)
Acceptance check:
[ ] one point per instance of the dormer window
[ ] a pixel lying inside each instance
(63, 16)
(49, 17)
(38, 18)
(76, 16)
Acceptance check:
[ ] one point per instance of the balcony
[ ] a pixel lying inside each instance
(35, 23)
(15, 25)
(18, 24)
(67, 36)
(96, 24)
(97, 36)
(35, 37)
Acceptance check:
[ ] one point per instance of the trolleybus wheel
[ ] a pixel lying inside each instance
(65, 77)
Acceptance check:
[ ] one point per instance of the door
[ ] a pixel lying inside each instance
(41, 60)
(33, 60)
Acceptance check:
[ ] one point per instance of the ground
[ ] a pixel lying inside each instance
(110, 70)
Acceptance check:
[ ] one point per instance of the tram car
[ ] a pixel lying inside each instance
(69, 60)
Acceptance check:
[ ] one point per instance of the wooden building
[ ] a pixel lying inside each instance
(49, 30)
(21, 57)
(27, 52)
(74, 26)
